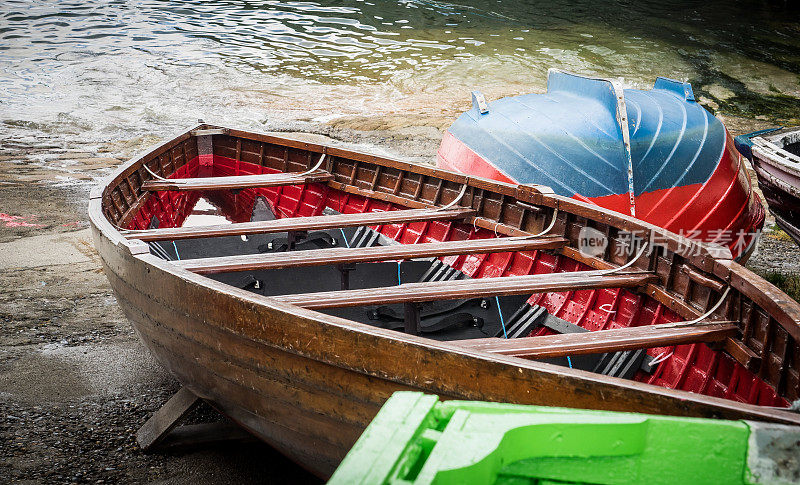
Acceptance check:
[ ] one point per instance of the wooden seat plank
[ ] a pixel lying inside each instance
(601, 341)
(471, 288)
(236, 181)
(301, 224)
(293, 259)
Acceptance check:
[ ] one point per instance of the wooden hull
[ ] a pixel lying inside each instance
(310, 388)
(309, 383)
(791, 228)
(779, 178)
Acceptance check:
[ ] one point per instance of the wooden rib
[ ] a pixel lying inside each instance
(237, 181)
(601, 341)
(318, 257)
(472, 288)
(301, 224)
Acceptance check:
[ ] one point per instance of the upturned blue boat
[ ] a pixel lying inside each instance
(655, 154)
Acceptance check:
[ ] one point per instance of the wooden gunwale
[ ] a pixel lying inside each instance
(147, 283)
(296, 259)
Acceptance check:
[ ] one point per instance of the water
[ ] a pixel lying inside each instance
(94, 71)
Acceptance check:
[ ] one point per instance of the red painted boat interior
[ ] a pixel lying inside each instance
(695, 367)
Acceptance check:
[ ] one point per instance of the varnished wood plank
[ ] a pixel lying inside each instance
(300, 224)
(300, 383)
(472, 288)
(318, 257)
(323, 413)
(601, 341)
(323, 428)
(236, 181)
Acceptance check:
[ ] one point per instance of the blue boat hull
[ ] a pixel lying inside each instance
(654, 154)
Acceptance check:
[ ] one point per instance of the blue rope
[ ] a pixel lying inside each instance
(398, 274)
(502, 320)
(345, 238)
(569, 362)
(176, 251)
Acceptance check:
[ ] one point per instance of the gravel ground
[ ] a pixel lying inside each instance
(775, 253)
(75, 382)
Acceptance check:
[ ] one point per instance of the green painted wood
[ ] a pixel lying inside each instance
(416, 439)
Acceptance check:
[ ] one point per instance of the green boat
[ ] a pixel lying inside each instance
(417, 439)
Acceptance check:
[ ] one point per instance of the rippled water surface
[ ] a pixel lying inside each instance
(108, 70)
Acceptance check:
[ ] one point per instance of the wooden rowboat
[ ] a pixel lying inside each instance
(303, 315)
(776, 160)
